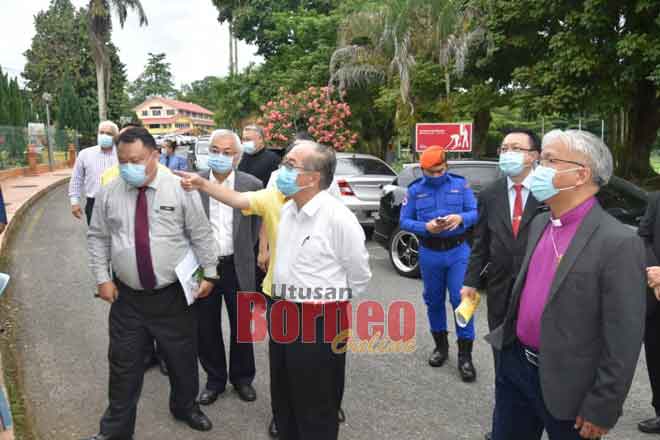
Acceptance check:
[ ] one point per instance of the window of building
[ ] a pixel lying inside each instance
(154, 125)
(170, 112)
(145, 113)
(155, 112)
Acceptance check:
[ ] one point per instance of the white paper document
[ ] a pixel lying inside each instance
(185, 271)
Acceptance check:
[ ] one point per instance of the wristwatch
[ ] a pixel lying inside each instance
(212, 280)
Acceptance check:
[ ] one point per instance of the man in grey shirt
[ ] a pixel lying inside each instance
(145, 223)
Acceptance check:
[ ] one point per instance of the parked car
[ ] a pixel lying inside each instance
(623, 199)
(361, 178)
(198, 154)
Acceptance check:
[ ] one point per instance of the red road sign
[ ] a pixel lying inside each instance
(451, 136)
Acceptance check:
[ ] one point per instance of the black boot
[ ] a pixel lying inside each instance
(441, 352)
(465, 367)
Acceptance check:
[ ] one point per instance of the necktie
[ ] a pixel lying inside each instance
(167, 162)
(517, 209)
(142, 249)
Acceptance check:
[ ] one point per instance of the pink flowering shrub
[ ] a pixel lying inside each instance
(313, 110)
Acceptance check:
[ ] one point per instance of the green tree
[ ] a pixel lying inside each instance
(586, 57)
(100, 26)
(253, 20)
(68, 115)
(203, 92)
(60, 52)
(156, 80)
(383, 39)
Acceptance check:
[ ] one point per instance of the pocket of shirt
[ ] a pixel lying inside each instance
(313, 249)
(454, 202)
(166, 223)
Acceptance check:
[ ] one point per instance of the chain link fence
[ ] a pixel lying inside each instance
(14, 143)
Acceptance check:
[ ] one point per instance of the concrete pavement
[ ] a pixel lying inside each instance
(62, 340)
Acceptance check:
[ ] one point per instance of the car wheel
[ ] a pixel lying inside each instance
(404, 253)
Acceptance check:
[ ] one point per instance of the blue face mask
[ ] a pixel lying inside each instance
(220, 163)
(104, 140)
(437, 180)
(249, 147)
(512, 163)
(542, 184)
(133, 174)
(287, 181)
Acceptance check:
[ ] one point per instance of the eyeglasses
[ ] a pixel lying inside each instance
(553, 162)
(290, 166)
(514, 148)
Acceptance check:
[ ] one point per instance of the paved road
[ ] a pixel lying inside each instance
(63, 339)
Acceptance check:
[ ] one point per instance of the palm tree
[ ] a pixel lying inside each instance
(382, 39)
(100, 25)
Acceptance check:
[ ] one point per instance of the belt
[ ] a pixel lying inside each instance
(143, 291)
(443, 244)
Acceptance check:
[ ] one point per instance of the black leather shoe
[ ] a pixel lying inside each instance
(488, 436)
(341, 416)
(163, 367)
(273, 432)
(246, 392)
(650, 426)
(197, 420)
(207, 396)
(100, 436)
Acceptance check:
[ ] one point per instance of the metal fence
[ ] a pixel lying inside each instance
(14, 142)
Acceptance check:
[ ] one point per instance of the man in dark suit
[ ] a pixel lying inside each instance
(649, 230)
(236, 236)
(506, 209)
(572, 334)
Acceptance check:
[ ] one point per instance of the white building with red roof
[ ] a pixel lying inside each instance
(168, 116)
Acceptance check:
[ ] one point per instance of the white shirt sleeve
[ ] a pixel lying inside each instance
(349, 243)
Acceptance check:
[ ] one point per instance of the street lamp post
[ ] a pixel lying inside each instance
(47, 97)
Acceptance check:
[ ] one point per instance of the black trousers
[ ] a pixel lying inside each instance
(652, 351)
(89, 208)
(136, 318)
(211, 342)
(307, 386)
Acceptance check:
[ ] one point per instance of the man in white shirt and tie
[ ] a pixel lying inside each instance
(322, 263)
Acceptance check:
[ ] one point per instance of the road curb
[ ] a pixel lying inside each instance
(6, 239)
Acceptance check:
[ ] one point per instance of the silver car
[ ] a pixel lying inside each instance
(360, 179)
(198, 154)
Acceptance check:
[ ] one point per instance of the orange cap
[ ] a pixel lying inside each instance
(432, 156)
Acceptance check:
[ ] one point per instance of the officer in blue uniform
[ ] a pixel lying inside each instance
(439, 208)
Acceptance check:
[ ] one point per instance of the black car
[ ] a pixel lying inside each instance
(623, 199)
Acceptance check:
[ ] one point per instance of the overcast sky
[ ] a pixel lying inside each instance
(186, 31)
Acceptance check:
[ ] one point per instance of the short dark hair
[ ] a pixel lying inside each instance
(170, 143)
(131, 124)
(137, 134)
(534, 140)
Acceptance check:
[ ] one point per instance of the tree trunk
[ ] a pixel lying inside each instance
(236, 55)
(482, 119)
(639, 132)
(231, 51)
(100, 90)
